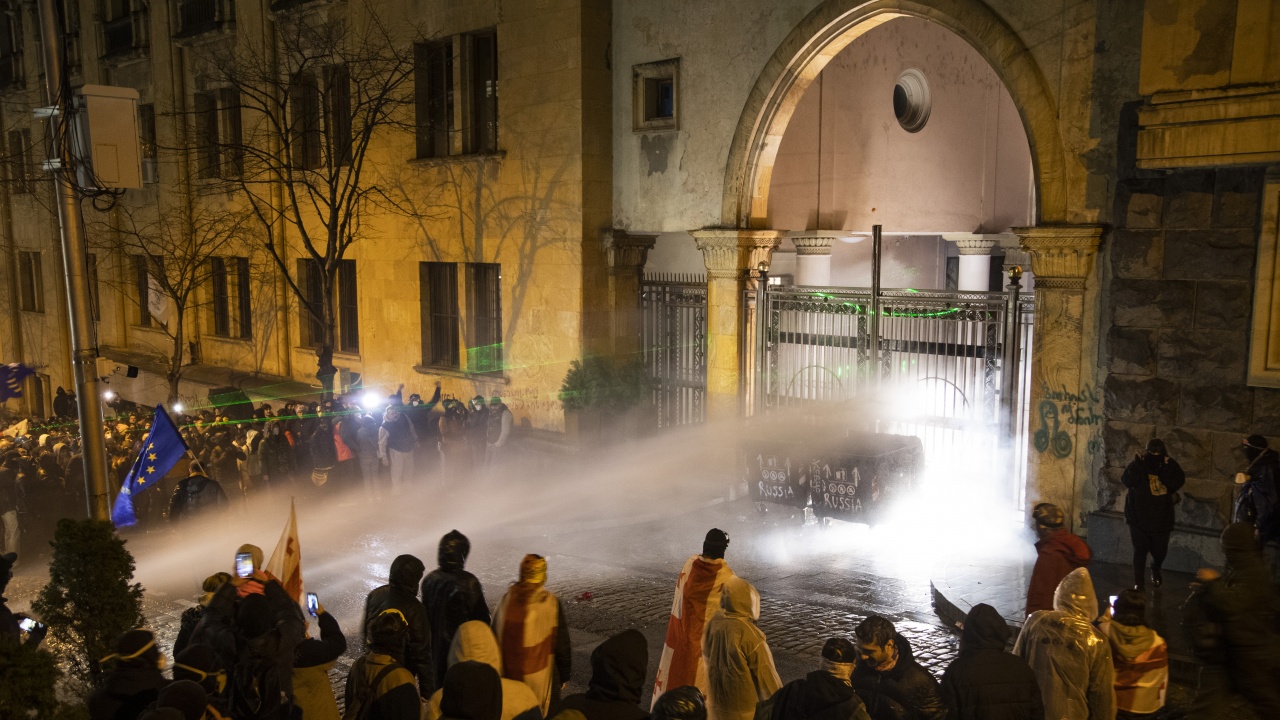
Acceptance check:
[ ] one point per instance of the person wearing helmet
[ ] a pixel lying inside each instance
(697, 600)
(1058, 552)
(451, 596)
(532, 634)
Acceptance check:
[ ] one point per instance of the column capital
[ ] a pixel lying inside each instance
(816, 242)
(626, 250)
(734, 253)
(980, 243)
(1061, 255)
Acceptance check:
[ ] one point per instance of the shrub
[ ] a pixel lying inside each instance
(90, 599)
(30, 682)
(612, 387)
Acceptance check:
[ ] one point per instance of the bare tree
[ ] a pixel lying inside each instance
(179, 246)
(316, 98)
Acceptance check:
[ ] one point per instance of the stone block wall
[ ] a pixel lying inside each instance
(1176, 334)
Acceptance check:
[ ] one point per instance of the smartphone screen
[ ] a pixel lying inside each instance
(244, 564)
(1113, 600)
(313, 604)
(28, 624)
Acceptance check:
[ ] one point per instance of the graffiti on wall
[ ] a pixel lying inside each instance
(1061, 408)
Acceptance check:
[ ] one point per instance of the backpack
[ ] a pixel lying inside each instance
(254, 688)
(359, 706)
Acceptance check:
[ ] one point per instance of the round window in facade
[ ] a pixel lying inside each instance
(911, 101)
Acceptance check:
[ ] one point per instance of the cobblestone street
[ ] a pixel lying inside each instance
(805, 598)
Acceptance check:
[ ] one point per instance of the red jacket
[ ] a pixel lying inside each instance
(1056, 555)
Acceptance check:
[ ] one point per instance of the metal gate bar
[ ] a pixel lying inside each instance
(958, 362)
(674, 342)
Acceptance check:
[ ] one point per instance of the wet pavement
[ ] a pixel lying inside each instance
(611, 575)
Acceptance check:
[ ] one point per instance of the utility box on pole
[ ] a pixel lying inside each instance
(106, 141)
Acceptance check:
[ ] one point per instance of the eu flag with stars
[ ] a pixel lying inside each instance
(162, 449)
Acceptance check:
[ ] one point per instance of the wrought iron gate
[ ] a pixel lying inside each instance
(957, 363)
(675, 345)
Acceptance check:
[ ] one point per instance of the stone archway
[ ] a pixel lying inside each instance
(1062, 246)
(829, 29)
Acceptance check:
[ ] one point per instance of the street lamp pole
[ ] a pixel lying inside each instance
(84, 354)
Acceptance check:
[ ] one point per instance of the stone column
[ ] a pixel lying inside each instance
(1064, 398)
(813, 256)
(625, 253)
(732, 258)
(975, 260)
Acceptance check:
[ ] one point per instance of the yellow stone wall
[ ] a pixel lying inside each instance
(536, 207)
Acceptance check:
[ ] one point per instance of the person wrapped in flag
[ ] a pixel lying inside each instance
(697, 599)
(532, 634)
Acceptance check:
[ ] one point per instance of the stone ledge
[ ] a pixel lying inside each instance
(1190, 548)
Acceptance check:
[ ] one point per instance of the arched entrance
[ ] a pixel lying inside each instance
(802, 56)
(1061, 253)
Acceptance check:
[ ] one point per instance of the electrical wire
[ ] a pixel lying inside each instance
(67, 133)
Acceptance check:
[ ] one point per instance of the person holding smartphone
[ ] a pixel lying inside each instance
(312, 661)
(12, 626)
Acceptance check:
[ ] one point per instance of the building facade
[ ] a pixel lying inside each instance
(1123, 152)
(489, 278)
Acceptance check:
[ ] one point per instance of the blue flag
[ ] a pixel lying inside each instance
(11, 377)
(163, 448)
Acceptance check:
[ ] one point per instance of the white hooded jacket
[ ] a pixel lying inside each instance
(475, 641)
(740, 671)
(1071, 659)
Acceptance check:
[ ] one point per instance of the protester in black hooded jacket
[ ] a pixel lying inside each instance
(1233, 621)
(277, 455)
(134, 681)
(194, 495)
(451, 596)
(889, 680)
(401, 593)
(824, 694)
(1152, 479)
(472, 691)
(618, 668)
(986, 683)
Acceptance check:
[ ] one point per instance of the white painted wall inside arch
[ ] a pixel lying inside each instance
(846, 164)
(674, 181)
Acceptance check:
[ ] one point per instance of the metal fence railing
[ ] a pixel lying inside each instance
(674, 309)
(954, 365)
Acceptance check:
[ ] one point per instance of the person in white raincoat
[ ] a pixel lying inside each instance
(1071, 659)
(474, 641)
(740, 671)
(697, 599)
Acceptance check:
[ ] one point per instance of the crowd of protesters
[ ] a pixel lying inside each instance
(357, 440)
(431, 648)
